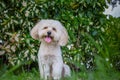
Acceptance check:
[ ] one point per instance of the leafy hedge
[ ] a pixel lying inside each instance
(83, 19)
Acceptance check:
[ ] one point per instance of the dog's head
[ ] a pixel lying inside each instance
(50, 31)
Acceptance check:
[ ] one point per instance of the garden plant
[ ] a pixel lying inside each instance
(93, 50)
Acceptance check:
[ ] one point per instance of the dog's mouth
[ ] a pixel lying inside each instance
(48, 39)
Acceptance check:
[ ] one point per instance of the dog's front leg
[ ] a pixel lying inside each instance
(46, 71)
(41, 67)
(57, 70)
(44, 68)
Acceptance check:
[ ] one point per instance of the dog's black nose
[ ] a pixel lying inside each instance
(49, 33)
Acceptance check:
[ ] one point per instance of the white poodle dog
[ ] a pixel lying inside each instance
(52, 35)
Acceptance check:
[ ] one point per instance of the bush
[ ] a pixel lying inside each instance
(88, 29)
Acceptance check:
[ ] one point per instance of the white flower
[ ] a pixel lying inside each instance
(70, 46)
(27, 13)
(2, 52)
(111, 65)
(102, 29)
(82, 63)
(33, 57)
(24, 3)
(37, 11)
(13, 48)
(17, 37)
(107, 59)
(1, 41)
(26, 53)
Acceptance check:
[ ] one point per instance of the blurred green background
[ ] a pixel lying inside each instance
(93, 50)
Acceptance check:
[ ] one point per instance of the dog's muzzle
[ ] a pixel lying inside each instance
(48, 37)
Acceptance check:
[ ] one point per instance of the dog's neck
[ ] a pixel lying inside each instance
(52, 44)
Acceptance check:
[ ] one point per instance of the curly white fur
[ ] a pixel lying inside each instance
(52, 35)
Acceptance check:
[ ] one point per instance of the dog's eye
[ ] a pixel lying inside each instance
(45, 27)
(54, 29)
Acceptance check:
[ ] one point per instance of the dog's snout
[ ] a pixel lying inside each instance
(49, 33)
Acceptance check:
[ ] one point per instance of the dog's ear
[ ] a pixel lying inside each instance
(34, 32)
(64, 37)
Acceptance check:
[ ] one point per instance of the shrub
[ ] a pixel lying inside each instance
(87, 27)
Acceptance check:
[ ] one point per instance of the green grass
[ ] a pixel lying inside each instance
(82, 75)
(32, 75)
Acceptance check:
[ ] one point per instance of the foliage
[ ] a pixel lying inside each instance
(77, 16)
(112, 41)
(92, 38)
(32, 75)
(86, 75)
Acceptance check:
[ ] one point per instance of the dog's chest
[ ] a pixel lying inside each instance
(49, 54)
(49, 58)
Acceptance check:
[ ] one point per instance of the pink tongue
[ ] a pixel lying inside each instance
(48, 39)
